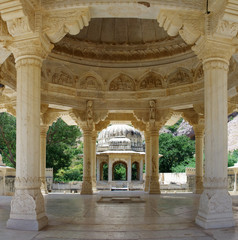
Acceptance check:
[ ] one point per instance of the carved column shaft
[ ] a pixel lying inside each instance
(87, 162)
(141, 169)
(43, 134)
(129, 169)
(110, 170)
(154, 141)
(27, 208)
(94, 138)
(147, 160)
(215, 208)
(199, 136)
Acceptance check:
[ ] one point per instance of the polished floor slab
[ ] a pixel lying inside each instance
(166, 216)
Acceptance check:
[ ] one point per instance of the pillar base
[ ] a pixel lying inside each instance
(43, 188)
(199, 185)
(94, 184)
(154, 188)
(147, 184)
(27, 225)
(86, 188)
(215, 209)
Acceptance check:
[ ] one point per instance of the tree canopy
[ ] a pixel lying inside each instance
(8, 138)
(62, 145)
(176, 150)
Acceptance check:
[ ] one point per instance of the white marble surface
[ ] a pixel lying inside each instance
(74, 216)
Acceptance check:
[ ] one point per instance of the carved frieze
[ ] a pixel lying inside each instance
(179, 77)
(151, 81)
(122, 83)
(62, 78)
(90, 83)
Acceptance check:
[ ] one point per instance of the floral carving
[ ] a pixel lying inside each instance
(122, 83)
(23, 204)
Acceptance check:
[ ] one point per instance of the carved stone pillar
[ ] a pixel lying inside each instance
(94, 138)
(110, 170)
(27, 207)
(87, 162)
(215, 208)
(98, 170)
(199, 135)
(129, 171)
(141, 169)
(43, 134)
(154, 148)
(147, 161)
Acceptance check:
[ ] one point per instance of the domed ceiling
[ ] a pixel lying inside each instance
(120, 40)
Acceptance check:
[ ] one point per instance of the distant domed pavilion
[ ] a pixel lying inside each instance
(120, 144)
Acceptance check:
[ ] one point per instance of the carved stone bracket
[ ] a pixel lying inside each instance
(56, 24)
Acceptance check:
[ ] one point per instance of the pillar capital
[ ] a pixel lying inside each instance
(44, 130)
(30, 51)
(199, 130)
(213, 52)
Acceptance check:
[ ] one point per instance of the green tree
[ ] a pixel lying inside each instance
(62, 145)
(232, 158)
(8, 139)
(120, 172)
(175, 150)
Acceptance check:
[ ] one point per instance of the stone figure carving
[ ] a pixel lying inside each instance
(151, 81)
(152, 110)
(90, 82)
(63, 78)
(179, 77)
(122, 83)
(89, 111)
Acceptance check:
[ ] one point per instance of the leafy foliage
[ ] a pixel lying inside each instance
(134, 171)
(105, 172)
(62, 142)
(175, 127)
(176, 150)
(120, 172)
(182, 166)
(232, 158)
(74, 173)
(8, 139)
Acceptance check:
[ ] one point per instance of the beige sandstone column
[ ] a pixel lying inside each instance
(199, 135)
(87, 162)
(129, 169)
(94, 138)
(154, 148)
(98, 170)
(141, 169)
(27, 207)
(215, 208)
(43, 134)
(110, 170)
(147, 160)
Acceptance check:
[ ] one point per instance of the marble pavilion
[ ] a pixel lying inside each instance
(143, 62)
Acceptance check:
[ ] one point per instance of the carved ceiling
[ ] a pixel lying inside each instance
(121, 40)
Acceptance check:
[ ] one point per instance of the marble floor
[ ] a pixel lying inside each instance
(72, 216)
